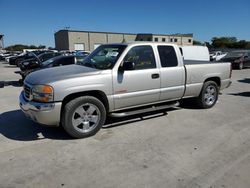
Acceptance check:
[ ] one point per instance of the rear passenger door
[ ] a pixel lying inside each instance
(172, 73)
(141, 85)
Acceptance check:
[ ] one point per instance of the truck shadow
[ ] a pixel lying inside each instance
(116, 122)
(189, 104)
(245, 80)
(242, 94)
(10, 83)
(10, 66)
(14, 125)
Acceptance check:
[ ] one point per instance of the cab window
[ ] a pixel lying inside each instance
(167, 56)
(142, 57)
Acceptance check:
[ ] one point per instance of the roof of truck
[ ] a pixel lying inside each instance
(140, 42)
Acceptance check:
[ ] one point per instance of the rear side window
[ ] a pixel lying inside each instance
(167, 56)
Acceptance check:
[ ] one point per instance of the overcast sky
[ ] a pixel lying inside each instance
(34, 22)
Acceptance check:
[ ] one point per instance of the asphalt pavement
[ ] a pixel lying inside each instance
(182, 147)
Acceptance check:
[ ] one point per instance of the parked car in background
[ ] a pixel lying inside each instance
(37, 60)
(6, 55)
(239, 59)
(17, 59)
(47, 55)
(196, 53)
(53, 62)
(81, 53)
(217, 55)
(12, 55)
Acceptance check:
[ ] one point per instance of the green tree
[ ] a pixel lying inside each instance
(16, 47)
(41, 47)
(224, 42)
(20, 47)
(51, 48)
(207, 44)
(196, 42)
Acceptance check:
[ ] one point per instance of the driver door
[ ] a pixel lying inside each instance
(141, 85)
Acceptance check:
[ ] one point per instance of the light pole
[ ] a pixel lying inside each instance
(1, 42)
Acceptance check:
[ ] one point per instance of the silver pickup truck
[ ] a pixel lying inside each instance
(119, 80)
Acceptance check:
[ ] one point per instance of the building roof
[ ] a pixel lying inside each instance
(78, 31)
(178, 34)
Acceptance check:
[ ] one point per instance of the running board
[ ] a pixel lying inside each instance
(144, 110)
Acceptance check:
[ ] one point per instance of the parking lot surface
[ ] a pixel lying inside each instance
(182, 147)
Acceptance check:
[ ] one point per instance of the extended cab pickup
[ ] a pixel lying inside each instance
(119, 80)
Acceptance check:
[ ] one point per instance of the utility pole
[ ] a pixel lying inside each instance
(1, 42)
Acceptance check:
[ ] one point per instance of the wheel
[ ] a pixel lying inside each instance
(209, 95)
(83, 116)
(17, 63)
(240, 66)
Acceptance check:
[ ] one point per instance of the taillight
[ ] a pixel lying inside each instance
(231, 70)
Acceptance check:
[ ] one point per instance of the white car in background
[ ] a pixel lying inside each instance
(13, 55)
(217, 55)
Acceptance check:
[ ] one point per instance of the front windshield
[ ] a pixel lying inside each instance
(104, 57)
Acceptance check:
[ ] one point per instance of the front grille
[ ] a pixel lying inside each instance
(27, 91)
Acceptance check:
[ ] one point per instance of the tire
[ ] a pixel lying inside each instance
(209, 95)
(240, 66)
(17, 63)
(83, 116)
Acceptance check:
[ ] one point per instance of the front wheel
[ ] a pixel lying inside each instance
(83, 117)
(209, 95)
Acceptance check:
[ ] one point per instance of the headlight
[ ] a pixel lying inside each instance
(42, 93)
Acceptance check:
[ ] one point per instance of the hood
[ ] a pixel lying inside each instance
(49, 75)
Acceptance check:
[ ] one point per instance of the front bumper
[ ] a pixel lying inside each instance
(44, 113)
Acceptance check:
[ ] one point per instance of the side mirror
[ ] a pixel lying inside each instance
(127, 65)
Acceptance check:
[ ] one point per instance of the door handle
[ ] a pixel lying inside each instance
(155, 76)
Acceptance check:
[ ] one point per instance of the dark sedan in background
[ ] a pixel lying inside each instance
(239, 59)
(17, 59)
(36, 61)
(53, 62)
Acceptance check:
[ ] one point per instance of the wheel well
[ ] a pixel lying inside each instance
(95, 93)
(215, 79)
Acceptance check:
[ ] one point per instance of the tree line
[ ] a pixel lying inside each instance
(20, 47)
(225, 42)
(216, 42)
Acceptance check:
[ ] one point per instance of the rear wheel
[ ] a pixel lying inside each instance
(240, 66)
(83, 116)
(209, 95)
(17, 62)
